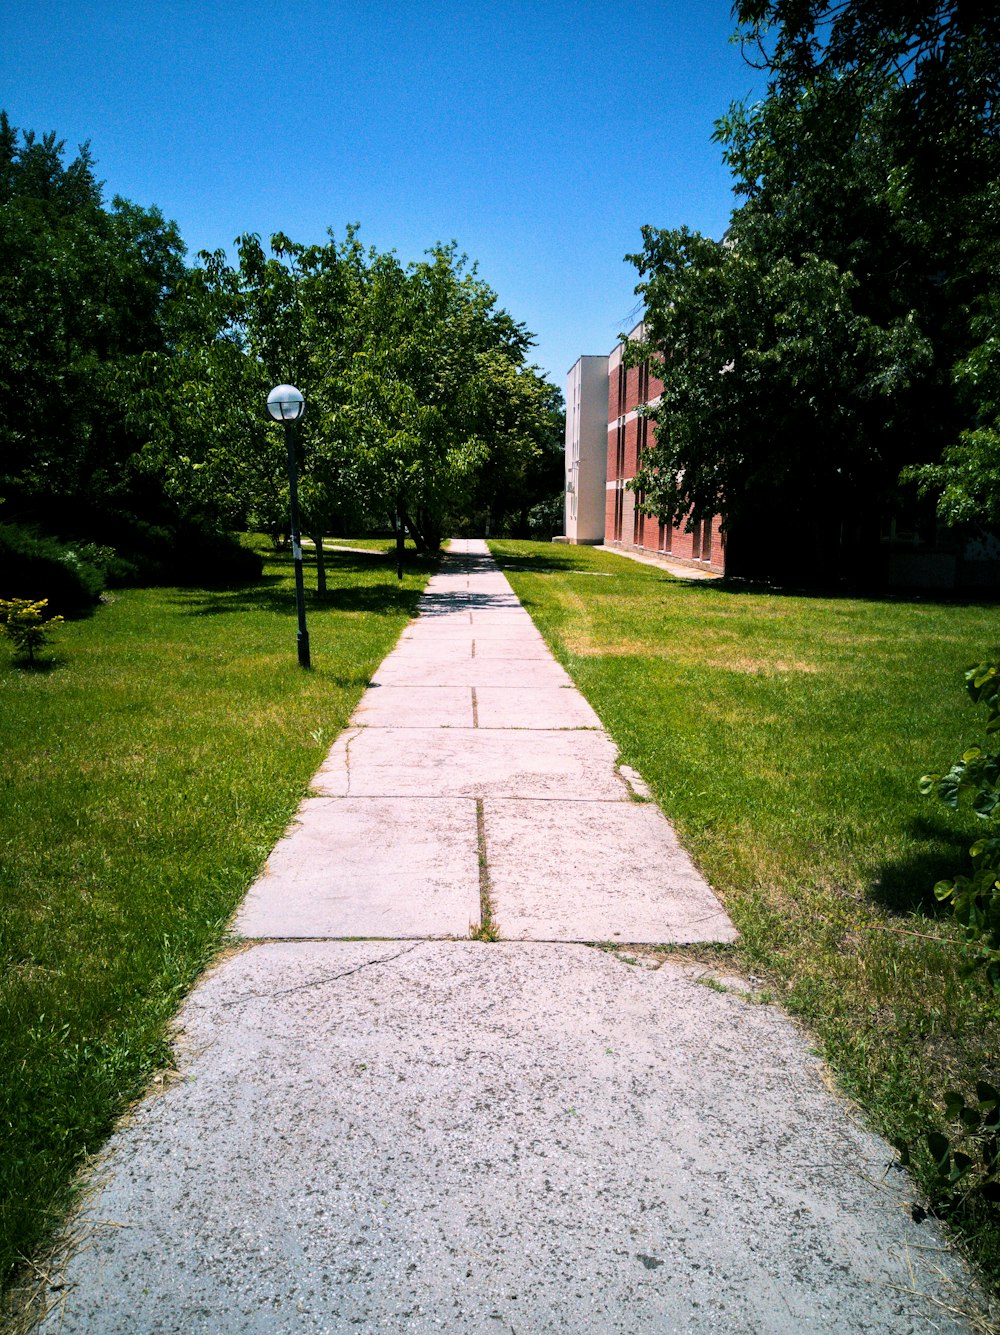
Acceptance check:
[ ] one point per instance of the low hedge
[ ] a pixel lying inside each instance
(34, 566)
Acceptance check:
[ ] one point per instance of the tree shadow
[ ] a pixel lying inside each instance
(540, 565)
(734, 588)
(379, 599)
(38, 666)
(907, 885)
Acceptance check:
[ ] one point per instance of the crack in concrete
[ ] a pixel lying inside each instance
(347, 758)
(487, 927)
(321, 982)
(634, 783)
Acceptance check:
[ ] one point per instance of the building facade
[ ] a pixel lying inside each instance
(604, 398)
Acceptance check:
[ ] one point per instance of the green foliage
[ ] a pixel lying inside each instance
(32, 566)
(546, 519)
(25, 625)
(845, 330)
(975, 899)
(774, 382)
(960, 1171)
(132, 385)
(966, 479)
(85, 295)
(419, 397)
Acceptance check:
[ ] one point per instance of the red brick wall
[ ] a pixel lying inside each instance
(705, 544)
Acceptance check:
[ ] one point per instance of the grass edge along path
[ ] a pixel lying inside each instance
(149, 768)
(784, 737)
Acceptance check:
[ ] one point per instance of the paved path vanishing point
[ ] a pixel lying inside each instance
(381, 1125)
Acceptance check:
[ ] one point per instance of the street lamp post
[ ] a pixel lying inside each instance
(286, 405)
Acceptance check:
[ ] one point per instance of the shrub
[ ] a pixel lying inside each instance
(975, 899)
(33, 567)
(545, 520)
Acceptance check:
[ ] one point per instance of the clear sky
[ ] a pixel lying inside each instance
(538, 135)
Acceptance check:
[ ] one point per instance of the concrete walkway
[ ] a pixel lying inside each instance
(381, 1125)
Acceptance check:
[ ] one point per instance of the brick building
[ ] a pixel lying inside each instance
(603, 399)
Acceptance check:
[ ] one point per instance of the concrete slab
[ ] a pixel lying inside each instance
(499, 617)
(493, 602)
(382, 762)
(454, 648)
(533, 707)
(469, 672)
(444, 605)
(466, 1137)
(445, 629)
(523, 629)
(429, 650)
(415, 707)
(593, 871)
(375, 867)
(516, 646)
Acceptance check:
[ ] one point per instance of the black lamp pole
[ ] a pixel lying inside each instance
(302, 636)
(286, 405)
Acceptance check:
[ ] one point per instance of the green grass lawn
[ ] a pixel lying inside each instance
(148, 769)
(784, 736)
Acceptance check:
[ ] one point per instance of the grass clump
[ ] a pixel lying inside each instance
(145, 780)
(785, 736)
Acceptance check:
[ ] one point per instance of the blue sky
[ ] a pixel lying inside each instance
(540, 136)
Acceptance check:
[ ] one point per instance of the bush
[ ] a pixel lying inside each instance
(975, 898)
(33, 567)
(545, 520)
(210, 559)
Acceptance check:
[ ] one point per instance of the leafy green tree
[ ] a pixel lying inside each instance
(419, 398)
(96, 308)
(24, 623)
(828, 345)
(445, 400)
(84, 293)
(773, 385)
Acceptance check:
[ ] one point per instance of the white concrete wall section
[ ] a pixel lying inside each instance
(586, 448)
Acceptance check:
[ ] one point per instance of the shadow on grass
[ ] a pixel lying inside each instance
(276, 593)
(907, 886)
(840, 593)
(380, 601)
(38, 666)
(541, 565)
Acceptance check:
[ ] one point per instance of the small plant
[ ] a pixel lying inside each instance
(975, 899)
(487, 930)
(965, 1165)
(23, 622)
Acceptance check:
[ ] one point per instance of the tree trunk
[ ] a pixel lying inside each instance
(416, 533)
(400, 545)
(320, 564)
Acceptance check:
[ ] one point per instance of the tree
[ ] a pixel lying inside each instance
(95, 305)
(445, 401)
(811, 357)
(84, 292)
(937, 66)
(772, 382)
(415, 379)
